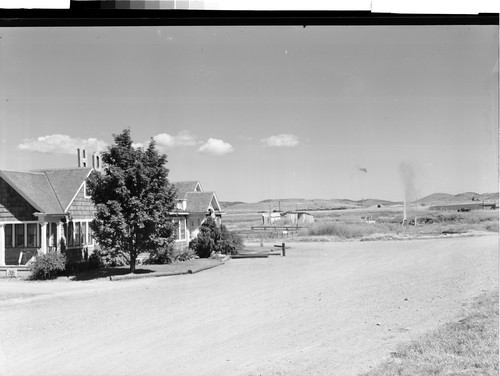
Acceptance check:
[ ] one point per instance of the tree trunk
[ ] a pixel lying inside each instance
(132, 262)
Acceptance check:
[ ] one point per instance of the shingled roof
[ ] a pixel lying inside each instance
(185, 187)
(199, 202)
(49, 191)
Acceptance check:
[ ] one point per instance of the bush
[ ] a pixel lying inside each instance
(183, 254)
(95, 261)
(161, 255)
(108, 259)
(47, 266)
(212, 238)
(170, 254)
(492, 227)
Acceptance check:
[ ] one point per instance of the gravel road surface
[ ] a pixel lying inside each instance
(324, 309)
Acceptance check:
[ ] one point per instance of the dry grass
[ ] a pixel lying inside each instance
(467, 347)
(385, 222)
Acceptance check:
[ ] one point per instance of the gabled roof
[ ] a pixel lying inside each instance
(35, 188)
(185, 187)
(66, 183)
(48, 191)
(200, 202)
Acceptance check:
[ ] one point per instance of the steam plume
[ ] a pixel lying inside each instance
(407, 173)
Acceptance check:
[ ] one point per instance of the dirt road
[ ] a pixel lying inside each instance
(324, 309)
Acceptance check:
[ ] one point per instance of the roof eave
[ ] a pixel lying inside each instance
(20, 192)
(81, 185)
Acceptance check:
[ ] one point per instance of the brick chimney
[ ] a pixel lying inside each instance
(82, 158)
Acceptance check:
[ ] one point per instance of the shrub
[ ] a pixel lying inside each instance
(212, 238)
(170, 254)
(161, 255)
(47, 266)
(492, 227)
(183, 254)
(95, 261)
(109, 259)
(234, 242)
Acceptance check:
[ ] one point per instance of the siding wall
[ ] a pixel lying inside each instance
(13, 206)
(81, 207)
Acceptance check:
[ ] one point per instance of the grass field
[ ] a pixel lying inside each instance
(373, 224)
(466, 347)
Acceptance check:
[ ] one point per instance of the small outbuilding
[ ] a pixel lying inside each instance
(299, 218)
(271, 218)
(294, 218)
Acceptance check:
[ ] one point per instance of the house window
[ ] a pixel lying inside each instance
(32, 234)
(86, 190)
(83, 234)
(89, 235)
(70, 238)
(8, 236)
(182, 229)
(51, 234)
(19, 235)
(78, 231)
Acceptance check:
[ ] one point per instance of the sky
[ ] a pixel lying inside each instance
(257, 112)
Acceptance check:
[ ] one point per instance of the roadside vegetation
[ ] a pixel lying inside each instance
(213, 239)
(47, 266)
(466, 347)
(169, 255)
(374, 224)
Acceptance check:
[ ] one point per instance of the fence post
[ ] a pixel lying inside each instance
(283, 249)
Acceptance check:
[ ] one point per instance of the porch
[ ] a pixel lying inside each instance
(20, 242)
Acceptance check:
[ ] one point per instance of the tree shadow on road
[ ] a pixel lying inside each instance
(106, 273)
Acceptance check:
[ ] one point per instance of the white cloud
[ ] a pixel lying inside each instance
(215, 146)
(281, 140)
(183, 138)
(61, 144)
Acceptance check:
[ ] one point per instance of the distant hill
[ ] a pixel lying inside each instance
(375, 202)
(300, 204)
(445, 198)
(228, 204)
(435, 197)
(339, 204)
(489, 197)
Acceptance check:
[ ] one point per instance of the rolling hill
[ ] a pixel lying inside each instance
(339, 204)
(466, 197)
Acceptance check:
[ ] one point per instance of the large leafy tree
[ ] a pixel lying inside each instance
(133, 198)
